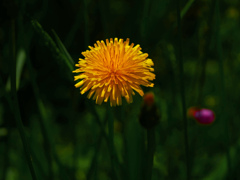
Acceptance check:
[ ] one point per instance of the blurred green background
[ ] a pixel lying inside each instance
(67, 133)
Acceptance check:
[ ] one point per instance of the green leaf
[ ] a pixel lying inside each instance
(49, 42)
(21, 58)
(63, 50)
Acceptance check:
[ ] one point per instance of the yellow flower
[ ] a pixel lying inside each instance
(114, 69)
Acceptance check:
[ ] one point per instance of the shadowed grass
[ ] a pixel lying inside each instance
(182, 90)
(42, 122)
(151, 145)
(64, 51)
(186, 7)
(50, 152)
(59, 53)
(79, 145)
(204, 57)
(86, 23)
(222, 88)
(16, 105)
(112, 151)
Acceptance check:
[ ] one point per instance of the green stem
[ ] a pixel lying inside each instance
(16, 105)
(93, 166)
(182, 89)
(144, 23)
(86, 24)
(6, 155)
(204, 57)
(111, 141)
(222, 88)
(42, 122)
(109, 138)
(151, 145)
(186, 7)
(50, 151)
(103, 7)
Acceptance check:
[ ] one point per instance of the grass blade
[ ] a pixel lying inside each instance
(16, 105)
(186, 7)
(182, 90)
(151, 145)
(222, 88)
(63, 49)
(51, 44)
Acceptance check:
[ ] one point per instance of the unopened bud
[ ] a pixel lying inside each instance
(205, 116)
(149, 116)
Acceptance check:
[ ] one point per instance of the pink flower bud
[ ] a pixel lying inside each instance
(204, 116)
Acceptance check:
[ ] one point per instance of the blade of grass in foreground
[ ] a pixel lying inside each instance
(151, 145)
(186, 7)
(49, 149)
(52, 45)
(42, 122)
(135, 150)
(63, 50)
(222, 88)
(86, 23)
(16, 105)
(182, 89)
(204, 57)
(111, 141)
(115, 164)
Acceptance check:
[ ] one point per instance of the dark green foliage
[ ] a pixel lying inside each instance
(48, 130)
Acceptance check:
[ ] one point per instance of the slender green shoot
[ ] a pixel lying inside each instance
(222, 87)
(63, 49)
(115, 164)
(86, 23)
(42, 121)
(204, 57)
(151, 145)
(16, 105)
(144, 23)
(58, 53)
(186, 7)
(93, 166)
(111, 141)
(182, 89)
(50, 151)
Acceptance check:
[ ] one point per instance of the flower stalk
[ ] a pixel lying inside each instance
(182, 90)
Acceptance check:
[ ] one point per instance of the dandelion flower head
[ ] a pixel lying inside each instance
(113, 70)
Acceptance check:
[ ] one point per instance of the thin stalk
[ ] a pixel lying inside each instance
(6, 155)
(204, 56)
(124, 136)
(86, 23)
(103, 7)
(186, 7)
(93, 166)
(146, 5)
(151, 145)
(42, 122)
(39, 166)
(75, 146)
(73, 30)
(16, 105)
(111, 142)
(50, 151)
(222, 88)
(115, 164)
(182, 89)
